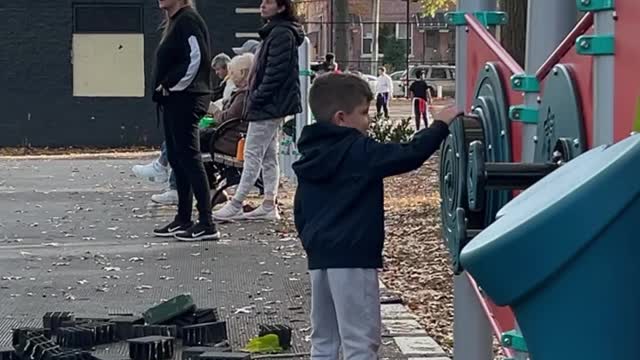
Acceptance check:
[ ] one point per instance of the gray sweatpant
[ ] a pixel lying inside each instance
(260, 152)
(345, 310)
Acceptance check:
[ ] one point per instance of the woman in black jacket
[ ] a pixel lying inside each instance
(274, 93)
(182, 88)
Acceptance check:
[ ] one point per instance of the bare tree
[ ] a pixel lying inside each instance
(514, 34)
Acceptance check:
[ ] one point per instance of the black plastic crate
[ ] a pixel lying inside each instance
(203, 334)
(20, 334)
(283, 332)
(37, 347)
(8, 354)
(105, 332)
(151, 348)
(54, 320)
(154, 330)
(73, 354)
(225, 356)
(76, 337)
(124, 326)
(203, 316)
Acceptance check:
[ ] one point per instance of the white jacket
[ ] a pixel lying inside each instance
(384, 84)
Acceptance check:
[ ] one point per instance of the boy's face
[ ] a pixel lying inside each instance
(357, 119)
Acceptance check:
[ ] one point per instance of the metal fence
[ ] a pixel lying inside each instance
(405, 40)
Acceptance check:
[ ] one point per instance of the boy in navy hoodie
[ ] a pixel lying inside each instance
(339, 212)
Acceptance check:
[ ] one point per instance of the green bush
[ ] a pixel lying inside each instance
(389, 131)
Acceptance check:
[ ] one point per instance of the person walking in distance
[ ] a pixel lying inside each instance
(420, 93)
(182, 89)
(274, 93)
(384, 92)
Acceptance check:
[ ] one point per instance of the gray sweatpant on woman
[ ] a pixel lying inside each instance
(261, 152)
(345, 312)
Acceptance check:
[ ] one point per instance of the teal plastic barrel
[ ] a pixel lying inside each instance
(565, 256)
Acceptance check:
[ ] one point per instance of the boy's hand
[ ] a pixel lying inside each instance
(448, 114)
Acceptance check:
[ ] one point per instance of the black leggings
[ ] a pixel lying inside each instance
(182, 112)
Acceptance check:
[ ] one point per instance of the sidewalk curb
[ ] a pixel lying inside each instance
(85, 156)
(409, 336)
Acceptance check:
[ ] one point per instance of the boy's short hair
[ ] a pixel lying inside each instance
(382, 68)
(333, 92)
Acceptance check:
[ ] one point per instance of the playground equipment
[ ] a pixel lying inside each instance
(531, 129)
(288, 149)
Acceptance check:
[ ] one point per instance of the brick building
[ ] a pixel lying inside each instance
(432, 40)
(78, 72)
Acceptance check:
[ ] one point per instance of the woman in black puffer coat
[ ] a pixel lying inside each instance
(274, 93)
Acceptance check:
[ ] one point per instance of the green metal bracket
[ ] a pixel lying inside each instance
(456, 18)
(486, 18)
(306, 72)
(595, 5)
(514, 340)
(595, 45)
(523, 114)
(525, 83)
(491, 18)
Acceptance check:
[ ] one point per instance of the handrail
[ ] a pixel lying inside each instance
(493, 44)
(492, 321)
(565, 46)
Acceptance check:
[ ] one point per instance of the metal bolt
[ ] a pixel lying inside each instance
(503, 133)
(576, 142)
(457, 155)
(506, 341)
(535, 139)
(517, 82)
(584, 44)
(516, 115)
(538, 99)
(490, 148)
(614, 15)
(487, 68)
(466, 29)
(555, 70)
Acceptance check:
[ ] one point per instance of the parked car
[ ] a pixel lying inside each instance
(372, 80)
(436, 75)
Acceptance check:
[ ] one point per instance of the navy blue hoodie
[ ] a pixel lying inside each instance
(339, 203)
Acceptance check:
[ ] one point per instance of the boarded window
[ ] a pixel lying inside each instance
(108, 51)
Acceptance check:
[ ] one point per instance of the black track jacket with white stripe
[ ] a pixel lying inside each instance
(182, 58)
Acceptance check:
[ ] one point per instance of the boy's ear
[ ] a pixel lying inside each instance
(338, 117)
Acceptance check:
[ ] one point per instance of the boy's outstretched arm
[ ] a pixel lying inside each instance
(386, 160)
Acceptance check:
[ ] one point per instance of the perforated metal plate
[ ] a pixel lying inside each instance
(560, 115)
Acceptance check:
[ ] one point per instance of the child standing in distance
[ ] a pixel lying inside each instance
(339, 212)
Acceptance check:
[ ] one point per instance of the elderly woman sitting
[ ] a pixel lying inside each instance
(232, 108)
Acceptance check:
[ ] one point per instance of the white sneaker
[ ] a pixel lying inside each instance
(169, 197)
(228, 212)
(154, 172)
(260, 213)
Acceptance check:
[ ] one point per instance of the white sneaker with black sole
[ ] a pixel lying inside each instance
(172, 229)
(199, 232)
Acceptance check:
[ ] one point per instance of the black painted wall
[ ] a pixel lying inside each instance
(37, 106)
